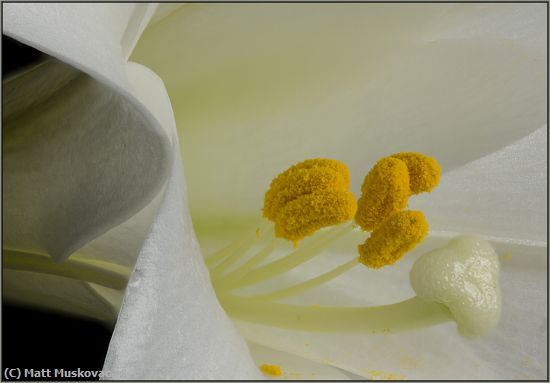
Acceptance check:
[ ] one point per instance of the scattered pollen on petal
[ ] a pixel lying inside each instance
(271, 369)
(424, 171)
(385, 191)
(308, 196)
(397, 235)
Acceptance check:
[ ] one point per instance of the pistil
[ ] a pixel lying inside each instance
(312, 196)
(407, 315)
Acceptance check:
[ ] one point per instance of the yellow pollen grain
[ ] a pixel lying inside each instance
(271, 369)
(311, 212)
(424, 171)
(308, 196)
(385, 191)
(397, 235)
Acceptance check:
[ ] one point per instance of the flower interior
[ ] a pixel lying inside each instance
(311, 199)
(458, 282)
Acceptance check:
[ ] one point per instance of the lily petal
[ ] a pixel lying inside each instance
(502, 194)
(278, 83)
(119, 113)
(100, 152)
(293, 367)
(171, 325)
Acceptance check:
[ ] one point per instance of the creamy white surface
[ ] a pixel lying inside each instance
(464, 276)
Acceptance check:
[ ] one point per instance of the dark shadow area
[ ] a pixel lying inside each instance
(33, 339)
(17, 56)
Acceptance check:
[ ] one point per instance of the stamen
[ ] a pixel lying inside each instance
(243, 269)
(296, 258)
(309, 196)
(233, 253)
(304, 178)
(424, 171)
(385, 191)
(389, 242)
(235, 246)
(312, 195)
(397, 235)
(309, 284)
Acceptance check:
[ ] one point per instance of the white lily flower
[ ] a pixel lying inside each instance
(252, 89)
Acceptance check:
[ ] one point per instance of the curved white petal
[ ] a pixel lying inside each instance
(82, 154)
(170, 325)
(502, 194)
(91, 149)
(277, 83)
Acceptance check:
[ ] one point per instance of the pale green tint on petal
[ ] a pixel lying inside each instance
(111, 296)
(294, 367)
(515, 350)
(258, 87)
(100, 149)
(164, 10)
(170, 325)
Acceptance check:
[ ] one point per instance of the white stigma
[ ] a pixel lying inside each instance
(464, 276)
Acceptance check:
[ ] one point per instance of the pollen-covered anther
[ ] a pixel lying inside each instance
(311, 212)
(424, 171)
(308, 196)
(293, 184)
(385, 191)
(397, 235)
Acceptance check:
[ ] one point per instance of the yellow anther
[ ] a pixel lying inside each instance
(271, 369)
(311, 212)
(337, 166)
(385, 191)
(424, 171)
(397, 235)
(308, 196)
(299, 181)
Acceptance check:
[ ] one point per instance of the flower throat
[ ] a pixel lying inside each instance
(312, 198)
